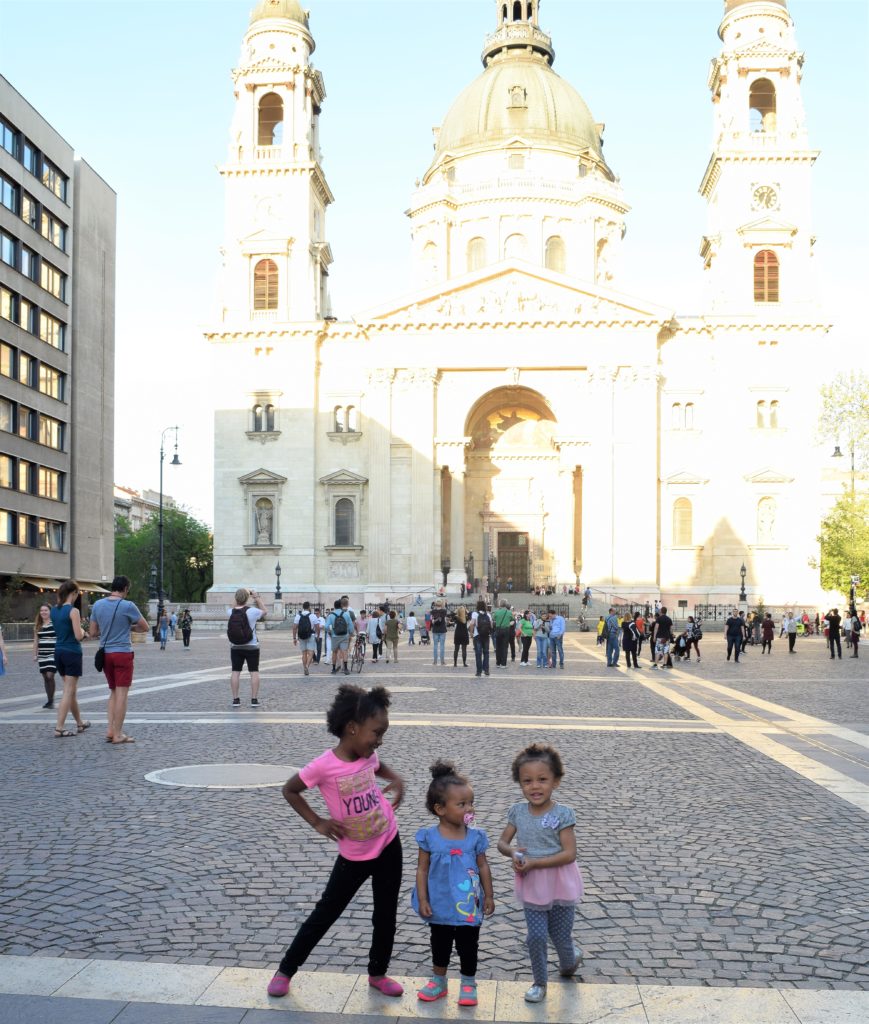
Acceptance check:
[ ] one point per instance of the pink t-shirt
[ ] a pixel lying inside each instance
(354, 798)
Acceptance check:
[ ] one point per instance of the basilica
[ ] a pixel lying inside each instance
(518, 416)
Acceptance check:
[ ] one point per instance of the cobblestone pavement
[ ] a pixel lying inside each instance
(722, 813)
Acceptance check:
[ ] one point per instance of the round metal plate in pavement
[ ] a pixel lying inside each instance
(223, 776)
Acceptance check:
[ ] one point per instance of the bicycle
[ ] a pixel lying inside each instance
(357, 658)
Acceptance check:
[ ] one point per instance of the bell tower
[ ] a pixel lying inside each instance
(758, 248)
(275, 256)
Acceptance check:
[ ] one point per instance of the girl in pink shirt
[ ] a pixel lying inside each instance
(362, 822)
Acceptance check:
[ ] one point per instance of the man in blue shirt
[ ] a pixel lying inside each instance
(612, 629)
(556, 638)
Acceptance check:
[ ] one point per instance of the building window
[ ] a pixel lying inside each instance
(263, 418)
(766, 514)
(766, 276)
(7, 471)
(51, 381)
(52, 330)
(345, 516)
(53, 230)
(30, 157)
(271, 120)
(50, 483)
(26, 477)
(352, 419)
(7, 360)
(53, 179)
(9, 194)
(52, 280)
(8, 305)
(476, 254)
(761, 103)
(29, 210)
(516, 247)
(8, 138)
(50, 432)
(27, 421)
(7, 249)
(773, 415)
(689, 415)
(682, 416)
(50, 535)
(7, 527)
(683, 525)
(430, 261)
(7, 415)
(27, 531)
(265, 285)
(26, 315)
(555, 254)
(28, 263)
(339, 422)
(516, 161)
(26, 369)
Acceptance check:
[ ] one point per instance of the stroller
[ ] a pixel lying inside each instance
(424, 637)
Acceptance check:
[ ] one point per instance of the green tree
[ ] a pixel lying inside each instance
(844, 544)
(845, 414)
(188, 556)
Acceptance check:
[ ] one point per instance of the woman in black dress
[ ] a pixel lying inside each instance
(460, 637)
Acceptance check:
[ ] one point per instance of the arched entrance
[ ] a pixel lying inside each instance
(516, 511)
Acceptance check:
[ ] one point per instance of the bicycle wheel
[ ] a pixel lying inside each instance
(359, 658)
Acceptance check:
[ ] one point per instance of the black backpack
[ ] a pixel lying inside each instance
(305, 630)
(484, 624)
(339, 625)
(238, 628)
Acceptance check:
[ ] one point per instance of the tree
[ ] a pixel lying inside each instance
(844, 544)
(845, 414)
(188, 556)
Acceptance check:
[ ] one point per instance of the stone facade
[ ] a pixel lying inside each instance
(518, 407)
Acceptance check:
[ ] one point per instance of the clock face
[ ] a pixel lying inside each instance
(765, 197)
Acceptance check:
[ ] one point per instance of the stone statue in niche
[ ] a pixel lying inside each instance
(766, 521)
(264, 518)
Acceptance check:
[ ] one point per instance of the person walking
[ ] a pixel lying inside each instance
(630, 639)
(557, 626)
(792, 633)
(163, 626)
(461, 636)
(340, 625)
(66, 619)
(4, 656)
(481, 630)
(306, 626)
(695, 635)
(244, 646)
(375, 635)
(186, 624)
(767, 632)
(733, 634)
(393, 628)
(322, 637)
(856, 629)
(612, 630)
(173, 623)
(541, 638)
(438, 631)
(834, 623)
(526, 635)
(113, 618)
(503, 622)
(411, 629)
(43, 651)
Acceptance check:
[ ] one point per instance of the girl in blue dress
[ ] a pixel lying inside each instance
(451, 872)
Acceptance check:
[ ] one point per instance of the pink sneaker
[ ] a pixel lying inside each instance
(388, 986)
(278, 986)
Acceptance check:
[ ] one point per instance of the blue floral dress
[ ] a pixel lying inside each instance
(454, 889)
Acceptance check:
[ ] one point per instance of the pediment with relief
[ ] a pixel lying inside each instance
(515, 293)
(261, 477)
(684, 477)
(769, 228)
(769, 476)
(343, 478)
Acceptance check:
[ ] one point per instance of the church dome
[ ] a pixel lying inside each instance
(519, 95)
(730, 5)
(291, 10)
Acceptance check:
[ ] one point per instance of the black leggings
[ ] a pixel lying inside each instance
(466, 938)
(344, 882)
(526, 647)
(464, 650)
(48, 683)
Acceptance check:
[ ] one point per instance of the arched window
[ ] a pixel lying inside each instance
(339, 423)
(683, 523)
(430, 261)
(504, 13)
(257, 418)
(766, 276)
(773, 415)
(689, 415)
(766, 513)
(269, 418)
(555, 254)
(476, 254)
(676, 416)
(517, 11)
(351, 419)
(271, 120)
(516, 247)
(761, 104)
(265, 285)
(344, 522)
(761, 415)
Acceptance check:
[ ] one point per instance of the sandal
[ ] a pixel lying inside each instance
(83, 726)
(62, 734)
(123, 739)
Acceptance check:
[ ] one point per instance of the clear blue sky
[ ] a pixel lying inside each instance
(142, 90)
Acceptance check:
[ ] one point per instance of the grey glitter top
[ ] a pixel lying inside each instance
(539, 834)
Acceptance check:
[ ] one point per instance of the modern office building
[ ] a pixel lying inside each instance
(57, 336)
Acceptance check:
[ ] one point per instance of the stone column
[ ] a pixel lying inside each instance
(571, 450)
(451, 453)
(597, 481)
(378, 427)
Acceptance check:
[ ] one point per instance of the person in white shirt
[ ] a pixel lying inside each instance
(246, 653)
(411, 628)
(309, 622)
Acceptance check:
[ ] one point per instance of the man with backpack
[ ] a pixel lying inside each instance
(481, 629)
(306, 628)
(244, 646)
(340, 625)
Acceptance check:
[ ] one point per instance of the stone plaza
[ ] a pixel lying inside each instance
(722, 832)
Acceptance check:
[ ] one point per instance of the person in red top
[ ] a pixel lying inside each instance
(767, 630)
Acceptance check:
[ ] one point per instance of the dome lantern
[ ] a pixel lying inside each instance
(518, 29)
(289, 10)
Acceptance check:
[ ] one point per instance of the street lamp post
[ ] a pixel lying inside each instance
(175, 462)
(278, 582)
(469, 570)
(743, 597)
(445, 568)
(837, 454)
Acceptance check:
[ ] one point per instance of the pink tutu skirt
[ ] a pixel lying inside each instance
(549, 887)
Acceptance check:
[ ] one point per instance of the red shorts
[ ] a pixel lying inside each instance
(119, 668)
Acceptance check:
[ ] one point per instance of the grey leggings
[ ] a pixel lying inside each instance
(556, 924)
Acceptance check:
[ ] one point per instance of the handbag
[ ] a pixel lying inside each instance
(100, 656)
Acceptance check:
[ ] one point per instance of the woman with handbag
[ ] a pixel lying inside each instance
(461, 637)
(66, 619)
